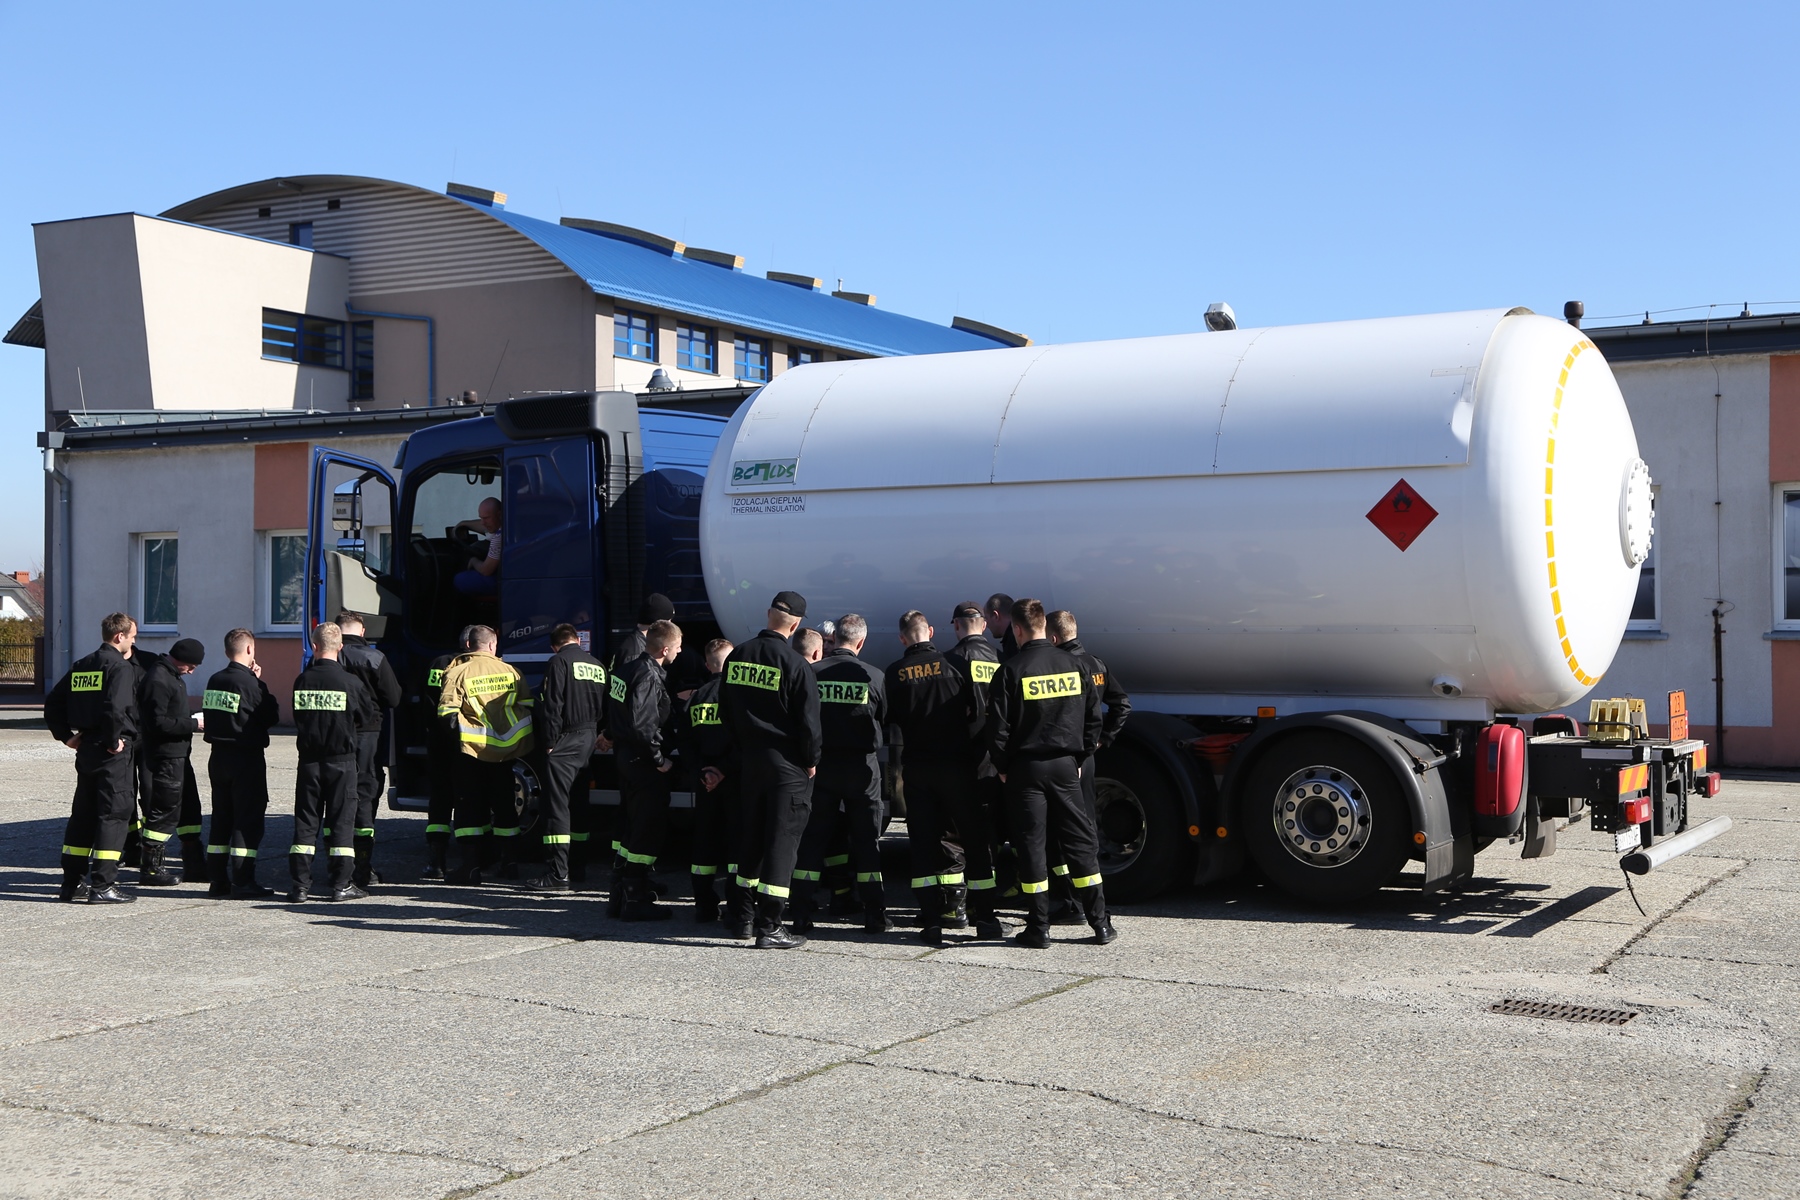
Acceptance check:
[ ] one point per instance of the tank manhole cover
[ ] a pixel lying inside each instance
(1579, 1013)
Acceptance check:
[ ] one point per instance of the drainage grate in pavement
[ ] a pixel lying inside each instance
(1579, 1013)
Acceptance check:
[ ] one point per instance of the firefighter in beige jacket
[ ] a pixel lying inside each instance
(486, 705)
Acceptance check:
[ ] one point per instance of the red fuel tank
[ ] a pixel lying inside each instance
(1499, 771)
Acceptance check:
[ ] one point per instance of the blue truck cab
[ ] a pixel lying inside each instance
(600, 507)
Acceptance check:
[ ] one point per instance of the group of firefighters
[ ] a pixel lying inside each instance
(780, 738)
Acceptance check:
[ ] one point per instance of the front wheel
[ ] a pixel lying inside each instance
(1324, 818)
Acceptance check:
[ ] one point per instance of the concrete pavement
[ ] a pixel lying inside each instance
(437, 1042)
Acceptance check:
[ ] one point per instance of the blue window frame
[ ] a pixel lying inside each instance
(362, 360)
(750, 359)
(292, 337)
(634, 335)
(300, 234)
(695, 348)
(799, 356)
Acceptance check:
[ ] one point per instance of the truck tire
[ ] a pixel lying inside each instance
(1143, 835)
(1324, 818)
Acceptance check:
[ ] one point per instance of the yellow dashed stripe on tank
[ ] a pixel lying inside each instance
(1556, 606)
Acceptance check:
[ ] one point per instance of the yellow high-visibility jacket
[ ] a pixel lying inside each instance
(491, 705)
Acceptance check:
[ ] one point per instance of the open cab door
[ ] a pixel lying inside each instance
(350, 543)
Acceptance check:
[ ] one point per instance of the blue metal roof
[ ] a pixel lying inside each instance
(629, 271)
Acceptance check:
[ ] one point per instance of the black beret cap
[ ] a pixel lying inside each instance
(967, 609)
(188, 651)
(791, 603)
(656, 607)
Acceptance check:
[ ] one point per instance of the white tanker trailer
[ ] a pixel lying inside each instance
(1326, 557)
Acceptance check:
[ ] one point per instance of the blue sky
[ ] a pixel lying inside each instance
(1070, 171)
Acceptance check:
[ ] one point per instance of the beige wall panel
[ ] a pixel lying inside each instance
(402, 374)
(97, 356)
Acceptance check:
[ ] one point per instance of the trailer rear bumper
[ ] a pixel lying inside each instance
(1647, 859)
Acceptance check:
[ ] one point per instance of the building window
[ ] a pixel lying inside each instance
(362, 360)
(1787, 571)
(300, 234)
(157, 577)
(634, 335)
(750, 359)
(799, 356)
(283, 579)
(694, 348)
(1646, 608)
(291, 337)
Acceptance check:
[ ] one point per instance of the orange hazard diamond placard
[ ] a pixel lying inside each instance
(1402, 514)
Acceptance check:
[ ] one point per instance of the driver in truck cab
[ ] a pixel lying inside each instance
(482, 576)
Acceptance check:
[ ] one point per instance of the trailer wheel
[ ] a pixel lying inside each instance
(1324, 818)
(1143, 836)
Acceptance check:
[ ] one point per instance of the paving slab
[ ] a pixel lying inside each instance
(860, 1130)
(1734, 1175)
(1731, 923)
(84, 967)
(1770, 1123)
(486, 1081)
(56, 1156)
(1340, 1070)
(867, 1004)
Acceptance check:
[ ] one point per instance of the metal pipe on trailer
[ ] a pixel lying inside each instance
(1642, 862)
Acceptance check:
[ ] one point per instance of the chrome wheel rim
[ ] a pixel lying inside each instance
(1322, 817)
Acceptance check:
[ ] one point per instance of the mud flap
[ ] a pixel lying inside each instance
(1539, 830)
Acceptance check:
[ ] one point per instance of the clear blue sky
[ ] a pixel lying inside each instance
(1072, 171)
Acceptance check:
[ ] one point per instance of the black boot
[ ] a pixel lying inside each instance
(556, 877)
(931, 914)
(956, 907)
(300, 877)
(437, 856)
(364, 875)
(740, 909)
(131, 855)
(801, 907)
(509, 857)
(470, 856)
(706, 899)
(193, 857)
(640, 898)
(150, 866)
(615, 889)
(243, 879)
(1036, 934)
(769, 933)
(845, 904)
(110, 894)
(981, 914)
(1093, 904)
(74, 889)
(218, 873)
(874, 907)
(578, 859)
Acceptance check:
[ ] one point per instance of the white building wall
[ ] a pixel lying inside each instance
(1701, 449)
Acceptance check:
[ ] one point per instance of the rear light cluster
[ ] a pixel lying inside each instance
(1636, 810)
(1708, 784)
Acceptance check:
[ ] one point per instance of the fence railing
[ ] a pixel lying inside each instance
(22, 665)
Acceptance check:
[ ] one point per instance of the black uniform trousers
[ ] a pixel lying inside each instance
(485, 805)
(645, 793)
(94, 838)
(1059, 861)
(847, 804)
(950, 827)
(240, 798)
(565, 791)
(172, 800)
(774, 802)
(1043, 799)
(324, 796)
(713, 836)
(370, 778)
(443, 756)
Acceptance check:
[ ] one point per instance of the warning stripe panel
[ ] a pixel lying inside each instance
(1634, 779)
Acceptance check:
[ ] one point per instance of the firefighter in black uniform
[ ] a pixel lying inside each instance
(331, 707)
(974, 808)
(239, 712)
(568, 716)
(770, 704)
(1060, 625)
(1043, 723)
(640, 736)
(168, 729)
(93, 710)
(712, 759)
(847, 789)
(377, 674)
(999, 624)
(441, 753)
(935, 707)
(656, 607)
(167, 726)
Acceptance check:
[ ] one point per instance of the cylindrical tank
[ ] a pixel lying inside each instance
(1444, 511)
